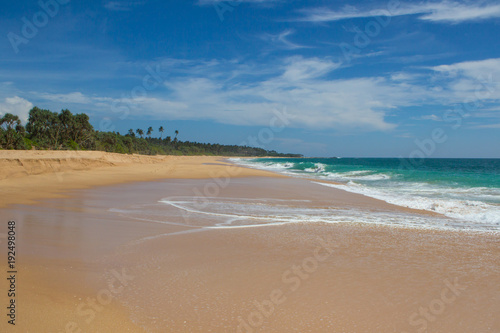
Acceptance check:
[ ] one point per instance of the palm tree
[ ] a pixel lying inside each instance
(140, 132)
(131, 132)
(176, 133)
(150, 130)
(161, 129)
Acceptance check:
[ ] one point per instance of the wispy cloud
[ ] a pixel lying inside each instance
(419, 58)
(405, 77)
(281, 40)
(488, 126)
(455, 12)
(443, 11)
(405, 135)
(300, 69)
(211, 2)
(73, 98)
(432, 117)
(122, 6)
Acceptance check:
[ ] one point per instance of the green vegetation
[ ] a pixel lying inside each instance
(67, 131)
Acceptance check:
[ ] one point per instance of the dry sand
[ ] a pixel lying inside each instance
(83, 268)
(27, 176)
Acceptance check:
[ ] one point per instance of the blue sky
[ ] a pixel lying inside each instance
(364, 78)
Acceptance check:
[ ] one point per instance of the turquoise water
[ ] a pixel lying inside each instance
(464, 189)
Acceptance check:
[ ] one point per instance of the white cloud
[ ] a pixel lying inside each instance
(312, 100)
(482, 68)
(16, 105)
(473, 80)
(432, 117)
(402, 76)
(298, 69)
(456, 12)
(248, 94)
(299, 84)
(443, 11)
(73, 98)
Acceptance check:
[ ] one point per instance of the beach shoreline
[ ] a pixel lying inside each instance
(52, 173)
(174, 272)
(56, 173)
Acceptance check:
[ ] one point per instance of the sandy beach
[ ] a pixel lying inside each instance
(30, 175)
(109, 242)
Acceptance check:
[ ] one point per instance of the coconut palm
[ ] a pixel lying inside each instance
(161, 129)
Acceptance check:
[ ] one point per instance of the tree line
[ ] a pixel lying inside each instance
(67, 131)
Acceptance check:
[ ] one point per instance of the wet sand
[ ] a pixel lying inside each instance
(89, 263)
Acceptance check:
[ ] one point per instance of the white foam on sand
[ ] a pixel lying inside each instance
(225, 213)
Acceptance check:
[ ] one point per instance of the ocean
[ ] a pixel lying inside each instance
(466, 191)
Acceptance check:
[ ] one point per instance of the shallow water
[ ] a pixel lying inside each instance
(467, 190)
